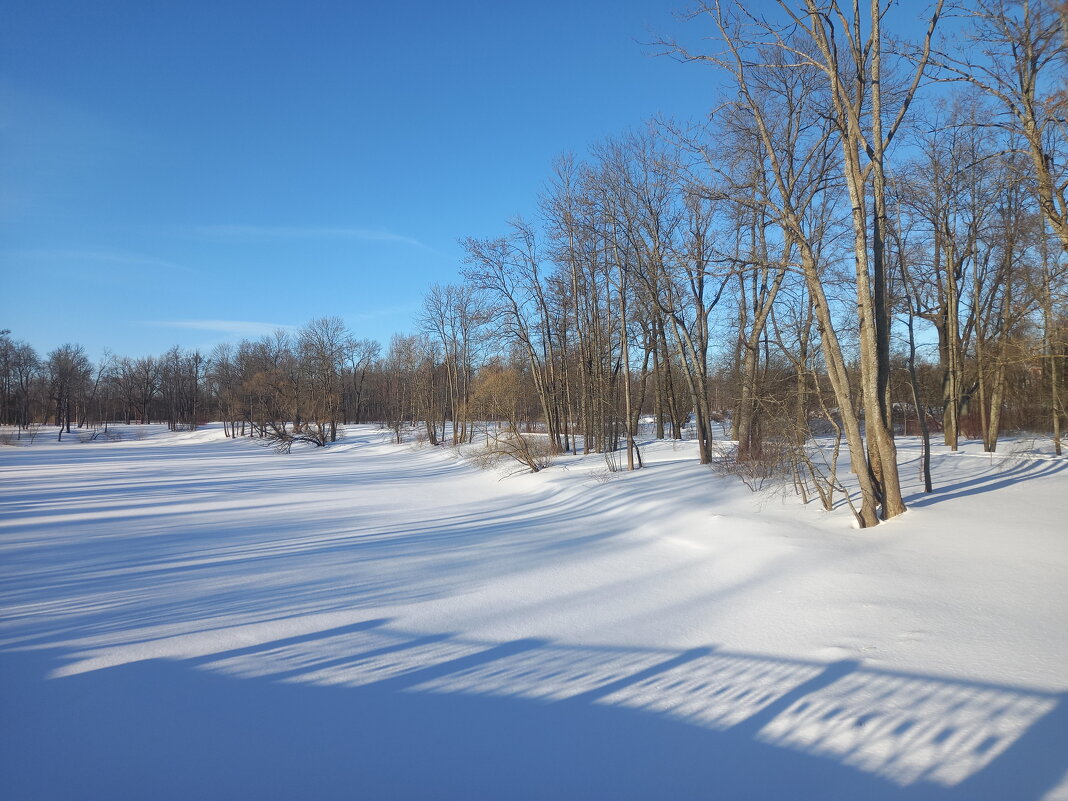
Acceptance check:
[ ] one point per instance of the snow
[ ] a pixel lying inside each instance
(189, 616)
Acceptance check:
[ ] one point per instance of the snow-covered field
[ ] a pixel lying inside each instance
(188, 617)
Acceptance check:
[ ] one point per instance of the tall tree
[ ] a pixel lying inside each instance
(69, 372)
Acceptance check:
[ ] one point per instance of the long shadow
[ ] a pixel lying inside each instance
(987, 482)
(111, 563)
(138, 556)
(444, 730)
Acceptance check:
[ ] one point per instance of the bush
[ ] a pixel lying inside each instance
(533, 451)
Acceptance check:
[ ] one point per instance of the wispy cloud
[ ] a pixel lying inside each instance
(307, 232)
(119, 258)
(241, 328)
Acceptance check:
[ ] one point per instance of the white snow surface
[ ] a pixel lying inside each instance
(187, 616)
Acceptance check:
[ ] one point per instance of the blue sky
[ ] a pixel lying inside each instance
(187, 173)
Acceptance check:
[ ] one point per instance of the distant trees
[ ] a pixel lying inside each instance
(139, 385)
(282, 385)
(323, 346)
(452, 318)
(19, 368)
(181, 377)
(67, 372)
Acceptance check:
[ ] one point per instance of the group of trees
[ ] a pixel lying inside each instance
(869, 235)
(66, 388)
(854, 197)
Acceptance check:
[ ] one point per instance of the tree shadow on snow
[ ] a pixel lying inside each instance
(995, 476)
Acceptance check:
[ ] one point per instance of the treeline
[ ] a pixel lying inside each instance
(867, 238)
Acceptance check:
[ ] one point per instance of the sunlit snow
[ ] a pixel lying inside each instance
(186, 616)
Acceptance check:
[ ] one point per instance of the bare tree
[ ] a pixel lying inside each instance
(360, 355)
(509, 270)
(1017, 52)
(452, 316)
(19, 369)
(796, 154)
(323, 344)
(69, 372)
(946, 198)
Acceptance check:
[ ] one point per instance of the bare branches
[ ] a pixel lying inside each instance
(1020, 59)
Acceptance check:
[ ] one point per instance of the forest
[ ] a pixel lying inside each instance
(866, 238)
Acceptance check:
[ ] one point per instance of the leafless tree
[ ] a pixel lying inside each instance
(1016, 51)
(68, 371)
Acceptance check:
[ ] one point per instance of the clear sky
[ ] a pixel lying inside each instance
(186, 173)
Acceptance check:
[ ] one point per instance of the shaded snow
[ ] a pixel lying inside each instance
(184, 615)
